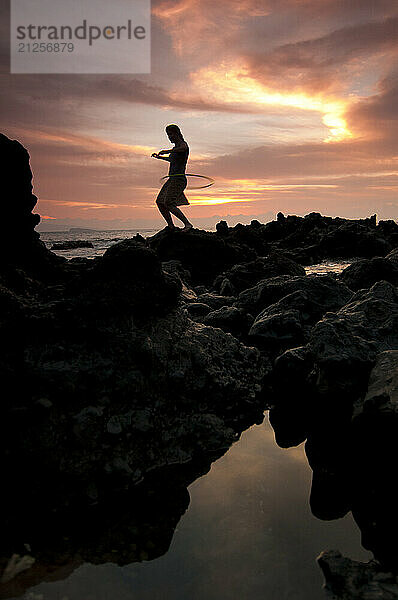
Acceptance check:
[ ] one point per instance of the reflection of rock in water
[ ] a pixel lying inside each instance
(124, 528)
(350, 580)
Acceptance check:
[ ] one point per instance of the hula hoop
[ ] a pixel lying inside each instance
(196, 187)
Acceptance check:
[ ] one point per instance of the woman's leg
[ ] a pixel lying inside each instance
(161, 204)
(165, 214)
(180, 215)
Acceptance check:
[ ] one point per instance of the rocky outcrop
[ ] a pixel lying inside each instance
(20, 244)
(346, 579)
(326, 292)
(348, 420)
(336, 362)
(203, 253)
(312, 238)
(246, 275)
(364, 273)
(229, 318)
(374, 450)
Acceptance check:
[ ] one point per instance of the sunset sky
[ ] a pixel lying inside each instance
(290, 105)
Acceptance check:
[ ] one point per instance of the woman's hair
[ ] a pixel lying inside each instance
(175, 129)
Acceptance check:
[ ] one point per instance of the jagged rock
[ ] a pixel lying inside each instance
(375, 447)
(315, 237)
(251, 236)
(175, 268)
(197, 309)
(215, 301)
(128, 277)
(353, 239)
(332, 369)
(226, 287)
(365, 272)
(191, 360)
(246, 275)
(324, 290)
(381, 400)
(346, 579)
(229, 318)
(284, 323)
(328, 374)
(222, 228)
(388, 229)
(345, 343)
(393, 257)
(20, 245)
(203, 253)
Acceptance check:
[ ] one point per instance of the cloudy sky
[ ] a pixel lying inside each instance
(290, 105)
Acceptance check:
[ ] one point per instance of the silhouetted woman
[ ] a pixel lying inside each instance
(172, 194)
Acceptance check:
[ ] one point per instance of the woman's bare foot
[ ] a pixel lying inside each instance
(187, 227)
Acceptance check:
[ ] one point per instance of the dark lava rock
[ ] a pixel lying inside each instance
(365, 272)
(345, 342)
(251, 236)
(203, 253)
(346, 579)
(197, 309)
(325, 291)
(177, 270)
(328, 374)
(374, 451)
(246, 275)
(314, 238)
(285, 323)
(215, 300)
(393, 257)
(20, 245)
(353, 239)
(388, 229)
(332, 369)
(229, 318)
(72, 245)
(128, 277)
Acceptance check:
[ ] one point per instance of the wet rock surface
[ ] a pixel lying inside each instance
(72, 245)
(347, 579)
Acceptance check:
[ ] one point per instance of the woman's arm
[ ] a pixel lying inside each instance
(178, 148)
(157, 155)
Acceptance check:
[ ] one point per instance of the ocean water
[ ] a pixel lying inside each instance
(101, 240)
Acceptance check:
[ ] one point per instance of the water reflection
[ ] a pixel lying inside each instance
(249, 533)
(353, 464)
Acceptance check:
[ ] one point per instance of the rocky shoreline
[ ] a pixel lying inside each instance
(128, 374)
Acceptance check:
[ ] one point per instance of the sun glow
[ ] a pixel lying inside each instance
(203, 201)
(229, 84)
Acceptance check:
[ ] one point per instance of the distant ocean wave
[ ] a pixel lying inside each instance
(101, 240)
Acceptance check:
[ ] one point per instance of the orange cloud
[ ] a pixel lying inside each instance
(232, 84)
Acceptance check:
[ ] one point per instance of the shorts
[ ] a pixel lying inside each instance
(172, 192)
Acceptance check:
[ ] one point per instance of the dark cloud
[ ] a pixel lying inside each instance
(317, 64)
(377, 117)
